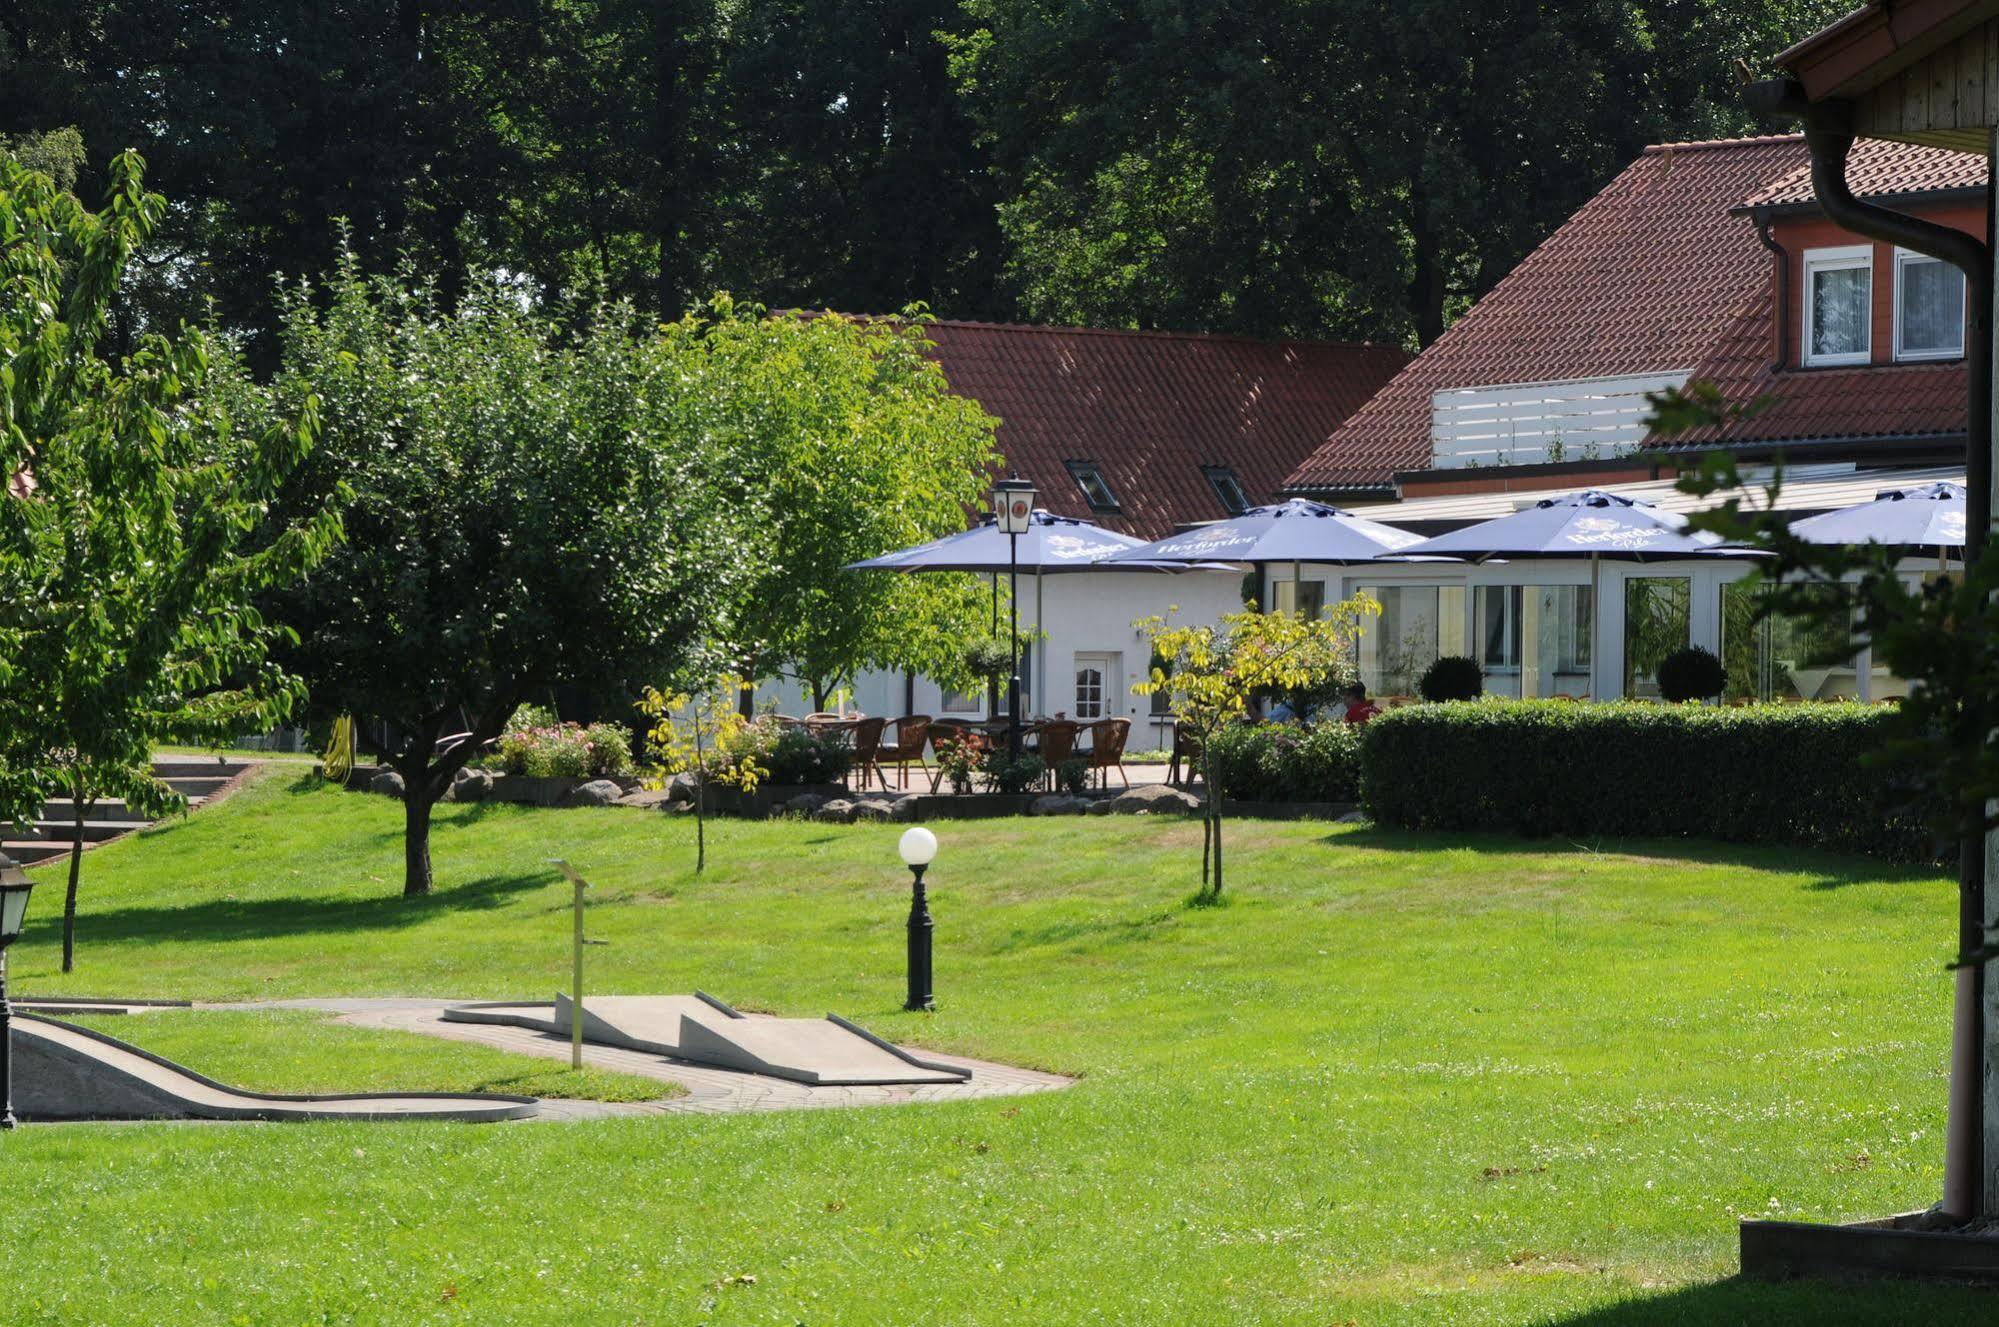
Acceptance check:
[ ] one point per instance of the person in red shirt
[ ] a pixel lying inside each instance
(1359, 708)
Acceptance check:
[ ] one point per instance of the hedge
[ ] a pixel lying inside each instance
(1769, 773)
(1288, 762)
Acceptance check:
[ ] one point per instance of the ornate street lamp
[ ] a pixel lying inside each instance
(919, 848)
(1013, 508)
(14, 890)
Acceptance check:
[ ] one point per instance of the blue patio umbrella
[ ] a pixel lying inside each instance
(1052, 544)
(1929, 518)
(1294, 531)
(1590, 524)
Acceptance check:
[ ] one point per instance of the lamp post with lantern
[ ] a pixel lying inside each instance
(919, 848)
(14, 890)
(1013, 508)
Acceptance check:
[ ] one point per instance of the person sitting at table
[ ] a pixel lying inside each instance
(1359, 708)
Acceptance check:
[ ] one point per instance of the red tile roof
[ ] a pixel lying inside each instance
(1646, 276)
(1151, 408)
(1661, 271)
(1881, 168)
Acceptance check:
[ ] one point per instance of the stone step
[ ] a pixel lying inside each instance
(57, 811)
(28, 853)
(190, 786)
(197, 767)
(94, 831)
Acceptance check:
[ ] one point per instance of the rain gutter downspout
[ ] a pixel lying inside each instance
(1829, 134)
(1762, 219)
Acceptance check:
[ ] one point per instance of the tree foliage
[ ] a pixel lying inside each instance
(1211, 675)
(126, 553)
(528, 508)
(847, 443)
(1317, 167)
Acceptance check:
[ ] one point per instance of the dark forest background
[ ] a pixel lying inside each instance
(1316, 168)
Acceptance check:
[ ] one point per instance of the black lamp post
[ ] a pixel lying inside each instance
(1013, 508)
(14, 889)
(919, 849)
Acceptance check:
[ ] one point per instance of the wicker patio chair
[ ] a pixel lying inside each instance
(1056, 743)
(911, 731)
(1106, 753)
(867, 750)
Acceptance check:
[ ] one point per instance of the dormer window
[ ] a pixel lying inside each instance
(1929, 308)
(1096, 489)
(1228, 488)
(1839, 298)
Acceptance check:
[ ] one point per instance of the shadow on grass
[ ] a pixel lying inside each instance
(1803, 1303)
(1833, 869)
(264, 918)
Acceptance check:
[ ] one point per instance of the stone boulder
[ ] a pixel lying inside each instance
(1102, 807)
(1058, 804)
(904, 811)
(874, 808)
(388, 783)
(804, 804)
(469, 785)
(839, 811)
(682, 787)
(597, 792)
(1351, 818)
(1154, 799)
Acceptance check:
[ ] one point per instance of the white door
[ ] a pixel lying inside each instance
(1099, 686)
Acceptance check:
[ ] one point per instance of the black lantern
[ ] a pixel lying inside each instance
(1013, 509)
(14, 890)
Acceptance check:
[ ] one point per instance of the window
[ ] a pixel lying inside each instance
(1300, 598)
(1929, 307)
(957, 702)
(1657, 614)
(1534, 640)
(1228, 488)
(1096, 489)
(1417, 624)
(1779, 656)
(1839, 305)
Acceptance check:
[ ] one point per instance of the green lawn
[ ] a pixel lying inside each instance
(292, 1050)
(1398, 1080)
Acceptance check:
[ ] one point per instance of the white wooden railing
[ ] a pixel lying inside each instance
(1525, 423)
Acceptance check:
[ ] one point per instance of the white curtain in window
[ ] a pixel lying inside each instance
(1839, 310)
(1932, 307)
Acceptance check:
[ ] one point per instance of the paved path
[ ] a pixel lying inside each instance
(708, 1091)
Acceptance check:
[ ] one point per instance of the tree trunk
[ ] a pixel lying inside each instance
(700, 798)
(1212, 793)
(820, 690)
(77, 809)
(417, 804)
(669, 111)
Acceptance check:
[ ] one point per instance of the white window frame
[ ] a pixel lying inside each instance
(1845, 257)
(1903, 257)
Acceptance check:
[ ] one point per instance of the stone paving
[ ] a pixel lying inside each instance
(709, 1091)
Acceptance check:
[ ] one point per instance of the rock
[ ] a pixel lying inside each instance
(645, 799)
(873, 809)
(804, 804)
(388, 783)
(682, 787)
(469, 785)
(1100, 808)
(1351, 818)
(597, 792)
(904, 811)
(1154, 798)
(1058, 804)
(839, 811)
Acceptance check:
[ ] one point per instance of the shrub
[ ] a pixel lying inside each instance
(1768, 773)
(566, 750)
(797, 755)
(1691, 673)
(1072, 776)
(1452, 677)
(1283, 762)
(1010, 774)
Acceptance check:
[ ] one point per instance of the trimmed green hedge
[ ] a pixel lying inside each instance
(1770, 773)
(1288, 762)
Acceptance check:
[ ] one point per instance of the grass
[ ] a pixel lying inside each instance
(1397, 1080)
(294, 1050)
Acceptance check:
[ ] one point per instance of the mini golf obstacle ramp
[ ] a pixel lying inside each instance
(65, 1072)
(698, 1028)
